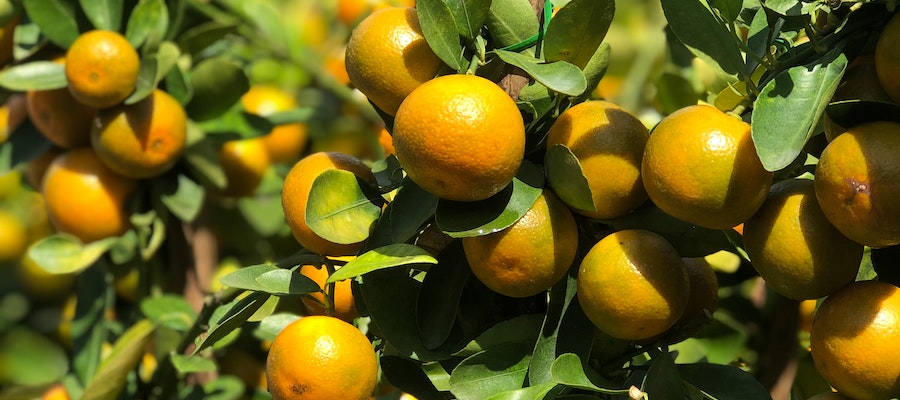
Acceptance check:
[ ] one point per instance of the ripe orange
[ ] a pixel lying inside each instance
(887, 59)
(344, 305)
(245, 162)
(36, 167)
(860, 82)
(633, 285)
(141, 140)
(101, 68)
(349, 12)
(12, 113)
(855, 340)
(13, 236)
(858, 183)
(56, 392)
(609, 143)
(807, 313)
(703, 299)
(295, 194)
(701, 166)
(387, 57)
(829, 396)
(84, 198)
(56, 114)
(285, 142)
(386, 141)
(335, 64)
(794, 247)
(459, 137)
(531, 255)
(321, 358)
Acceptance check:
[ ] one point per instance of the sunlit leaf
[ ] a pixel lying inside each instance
(511, 22)
(35, 75)
(29, 358)
(469, 16)
(186, 364)
(340, 209)
(272, 325)
(185, 200)
(111, 376)
(528, 393)
(441, 36)
(284, 282)
(568, 370)
(170, 311)
(558, 76)
(566, 177)
(149, 18)
(389, 256)
(495, 370)
(56, 19)
(103, 14)
(577, 29)
(63, 254)
(229, 317)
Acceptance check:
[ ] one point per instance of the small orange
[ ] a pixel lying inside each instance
(633, 285)
(321, 358)
(37, 166)
(245, 162)
(459, 137)
(13, 236)
(386, 141)
(387, 57)
(531, 255)
(829, 396)
(284, 142)
(344, 305)
(335, 64)
(349, 12)
(56, 114)
(56, 392)
(84, 198)
(102, 68)
(703, 299)
(12, 113)
(700, 165)
(887, 58)
(141, 140)
(609, 143)
(860, 82)
(854, 340)
(295, 195)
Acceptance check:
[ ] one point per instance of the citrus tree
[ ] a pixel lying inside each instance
(466, 199)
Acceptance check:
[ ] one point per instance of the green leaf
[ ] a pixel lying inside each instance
(198, 38)
(30, 358)
(218, 84)
(662, 380)
(849, 113)
(568, 370)
(574, 34)
(228, 317)
(202, 159)
(103, 14)
(94, 291)
(270, 279)
(184, 200)
(273, 324)
(149, 19)
(441, 36)
(521, 329)
(728, 9)
(410, 209)
(35, 75)
(56, 18)
(723, 381)
(177, 85)
(469, 16)
(529, 393)
(64, 254)
(186, 364)
(154, 67)
(596, 69)
(225, 387)
(389, 256)
(113, 372)
(498, 212)
(340, 209)
(789, 107)
(697, 28)
(566, 177)
(438, 300)
(785, 7)
(495, 370)
(264, 213)
(511, 22)
(558, 76)
(170, 311)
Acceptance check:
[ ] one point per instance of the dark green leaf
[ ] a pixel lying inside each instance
(439, 298)
(569, 370)
(853, 112)
(728, 9)
(218, 84)
(170, 311)
(149, 19)
(577, 29)
(758, 37)
(511, 22)
(56, 19)
(595, 69)
(63, 254)
(785, 7)
(662, 380)
(566, 177)
(498, 212)
(558, 76)
(177, 85)
(229, 317)
(154, 67)
(227, 387)
(521, 329)
(410, 209)
(441, 36)
(723, 381)
(202, 158)
(94, 291)
(389, 256)
(198, 38)
(186, 364)
(469, 16)
(674, 91)
(125, 355)
(340, 208)
(103, 14)
(495, 370)
(35, 75)
(789, 107)
(185, 200)
(409, 375)
(699, 29)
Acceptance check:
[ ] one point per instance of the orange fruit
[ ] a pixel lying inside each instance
(700, 165)
(887, 59)
(321, 358)
(829, 396)
(807, 313)
(12, 113)
(344, 305)
(702, 301)
(609, 143)
(284, 142)
(349, 12)
(13, 236)
(245, 162)
(386, 141)
(56, 392)
(633, 285)
(855, 340)
(141, 140)
(295, 194)
(858, 183)
(101, 68)
(36, 167)
(860, 82)
(529, 256)
(85, 198)
(387, 57)
(794, 247)
(62, 119)
(459, 137)
(335, 64)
